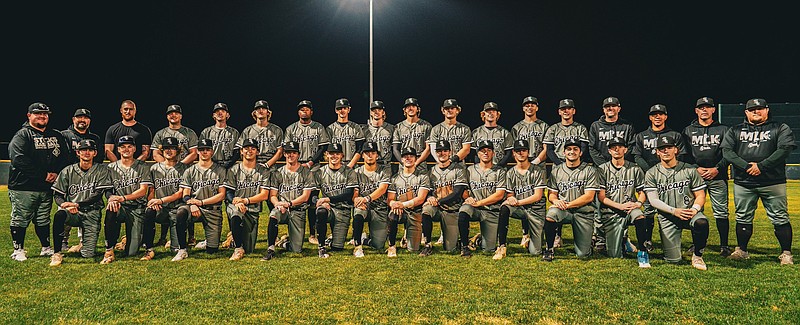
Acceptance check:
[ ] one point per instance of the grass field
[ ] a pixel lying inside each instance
(442, 288)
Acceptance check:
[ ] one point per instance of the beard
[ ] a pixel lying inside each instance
(81, 126)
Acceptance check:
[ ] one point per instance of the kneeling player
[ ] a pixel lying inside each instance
(448, 182)
(166, 197)
(525, 183)
(337, 183)
(370, 204)
(407, 193)
(486, 191)
(247, 186)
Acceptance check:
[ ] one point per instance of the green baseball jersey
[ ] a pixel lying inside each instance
(368, 182)
(309, 136)
(269, 140)
(533, 132)
(557, 134)
(224, 141)
(187, 139)
(78, 185)
(621, 184)
(246, 182)
(444, 180)
(412, 135)
(346, 134)
(203, 182)
(571, 183)
(458, 135)
(167, 181)
(524, 183)
(127, 180)
(290, 185)
(334, 182)
(382, 135)
(407, 186)
(675, 185)
(499, 136)
(485, 182)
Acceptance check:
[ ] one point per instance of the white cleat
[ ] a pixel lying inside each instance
(698, 263)
(76, 248)
(181, 255)
(56, 259)
(786, 258)
(201, 245)
(358, 251)
(19, 255)
(391, 252)
(47, 251)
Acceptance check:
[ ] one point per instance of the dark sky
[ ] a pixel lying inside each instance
(196, 53)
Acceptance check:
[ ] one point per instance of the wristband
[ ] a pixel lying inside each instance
(201, 203)
(369, 198)
(248, 200)
(186, 198)
(696, 207)
(536, 161)
(162, 201)
(455, 159)
(290, 204)
(124, 199)
(408, 204)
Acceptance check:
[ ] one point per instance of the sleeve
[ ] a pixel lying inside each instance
(682, 153)
(552, 185)
(144, 172)
(287, 135)
(596, 155)
(729, 150)
(540, 178)
(240, 140)
(157, 140)
(458, 191)
(230, 180)
(352, 178)
(501, 179)
(697, 182)
(318, 155)
(551, 154)
(433, 135)
(61, 160)
(687, 141)
(386, 176)
(110, 136)
(309, 180)
(785, 146)
(638, 176)
(324, 136)
(650, 182)
(592, 179)
(583, 134)
(396, 151)
(425, 182)
(549, 135)
(186, 179)
(61, 183)
(103, 182)
(467, 136)
(17, 149)
(192, 138)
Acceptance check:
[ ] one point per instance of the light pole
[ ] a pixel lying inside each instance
(370, 53)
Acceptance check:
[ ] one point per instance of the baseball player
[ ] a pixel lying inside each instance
(758, 149)
(313, 138)
(407, 192)
(448, 183)
(337, 184)
(379, 131)
(704, 137)
(203, 192)
(486, 193)
(290, 189)
(413, 132)
(458, 134)
(131, 180)
(531, 129)
(525, 184)
(346, 133)
(186, 137)
(502, 139)
(224, 137)
(78, 193)
(128, 126)
(165, 197)
(268, 135)
(622, 197)
(678, 192)
(246, 187)
(370, 203)
(571, 190)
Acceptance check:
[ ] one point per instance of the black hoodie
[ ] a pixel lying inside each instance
(767, 144)
(33, 154)
(602, 131)
(644, 146)
(705, 145)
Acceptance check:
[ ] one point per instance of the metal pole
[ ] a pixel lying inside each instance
(370, 53)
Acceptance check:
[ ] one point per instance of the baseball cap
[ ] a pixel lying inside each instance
(369, 146)
(174, 108)
(408, 151)
(450, 103)
(617, 142)
(572, 142)
(205, 143)
(250, 143)
(442, 145)
(485, 144)
(658, 108)
(87, 144)
(756, 103)
(342, 102)
(665, 141)
(170, 142)
(38, 108)
(521, 144)
(376, 105)
(611, 101)
(704, 101)
(566, 103)
(291, 146)
(305, 103)
(334, 147)
(490, 106)
(126, 139)
(220, 106)
(261, 104)
(83, 112)
(530, 99)
(410, 101)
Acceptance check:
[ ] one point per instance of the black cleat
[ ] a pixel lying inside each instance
(426, 251)
(725, 251)
(466, 252)
(648, 246)
(548, 255)
(270, 255)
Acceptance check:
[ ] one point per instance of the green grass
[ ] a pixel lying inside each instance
(442, 288)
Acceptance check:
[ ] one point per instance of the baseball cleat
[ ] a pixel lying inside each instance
(643, 259)
(148, 255)
(358, 251)
(698, 263)
(120, 246)
(352, 242)
(313, 240)
(499, 253)
(548, 255)
(440, 241)
(526, 240)
(724, 251)
(648, 246)
(739, 254)
(690, 250)
(426, 250)
(323, 253)
(64, 246)
(474, 242)
(403, 242)
(557, 242)
(201, 245)
(191, 242)
(269, 255)
(228, 241)
(329, 241)
(391, 252)
(167, 244)
(108, 257)
(786, 258)
(466, 252)
(181, 255)
(238, 253)
(19, 255)
(76, 248)
(629, 247)
(47, 251)
(56, 259)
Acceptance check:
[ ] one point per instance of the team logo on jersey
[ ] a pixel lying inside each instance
(161, 182)
(125, 182)
(568, 185)
(474, 185)
(622, 184)
(705, 141)
(675, 186)
(754, 138)
(289, 188)
(204, 183)
(47, 143)
(524, 189)
(77, 188)
(609, 135)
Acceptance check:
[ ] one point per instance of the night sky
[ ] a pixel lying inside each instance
(195, 53)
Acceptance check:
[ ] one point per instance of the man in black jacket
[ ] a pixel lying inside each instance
(610, 126)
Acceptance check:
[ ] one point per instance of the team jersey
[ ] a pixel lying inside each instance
(602, 131)
(187, 139)
(533, 132)
(74, 137)
(346, 134)
(407, 186)
(485, 182)
(444, 181)
(167, 181)
(755, 143)
(458, 135)
(675, 185)
(77, 185)
(382, 135)
(309, 136)
(290, 185)
(335, 182)
(224, 142)
(524, 184)
(621, 184)
(705, 146)
(127, 180)
(203, 182)
(499, 136)
(246, 182)
(557, 134)
(644, 146)
(269, 140)
(571, 183)
(368, 182)
(412, 135)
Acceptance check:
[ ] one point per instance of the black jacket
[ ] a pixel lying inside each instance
(767, 144)
(72, 137)
(704, 146)
(644, 146)
(601, 131)
(34, 154)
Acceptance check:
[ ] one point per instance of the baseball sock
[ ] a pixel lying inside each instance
(149, 229)
(164, 231)
(393, 228)
(59, 220)
(743, 233)
(427, 228)
(111, 229)
(700, 236)
(358, 227)
(189, 226)
(550, 233)
(43, 232)
(18, 237)
(502, 225)
(723, 227)
(641, 232)
(237, 228)
(312, 217)
(322, 226)
(651, 223)
(784, 234)
(525, 226)
(463, 228)
(558, 229)
(180, 225)
(272, 231)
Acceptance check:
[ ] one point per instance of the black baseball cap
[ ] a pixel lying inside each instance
(485, 144)
(38, 108)
(87, 144)
(665, 141)
(82, 112)
(530, 99)
(617, 142)
(704, 101)
(170, 142)
(521, 144)
(756, 103)
(490, 106)
(450, 103)
(572, 142)
(174, 108)
(261, 104)
(658, 108)
(334, 147)
(126, 139)
(205, 144)
(611, 101)
(410, 101)
(369, 146)
(305, 103)
(220, 106)
(566, 103)
(342, 102)
(250, 143)
(291, 146)
(376, 105)
(408, 151)
(442, 145)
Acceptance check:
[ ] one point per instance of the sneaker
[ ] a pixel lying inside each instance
(629, 247)
(167, 244)
(548, 255)
(391, 252)
(526, 240)
(698, 263)
(163, 242)
(282, 241)
(724, 251)
(690, 251)
(108, 257)
(466, 252)
(19, 255)
(557, 242)
(76, 248)
(426, 250)
(786, 258)
(120, 246)
(313, 240)
(643, 258)
(358, 251)
(201, 245)
(474, 242)
(440, 241)
(191, 242)
(181, 255)
(47, 251)
(364, 237)
(648, 246)
(148, 255)
(269, 255)
(403, 242)
(56, 259)
(238, 253)
(329, 241)
(323, 253)
(352, 242)
(739, 254)
(228, 241)
(601, 249)
(499, 253)
(64, 246)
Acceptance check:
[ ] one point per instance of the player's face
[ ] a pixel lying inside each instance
(87, 155)
(169, 153)
(174, 117)
(38, 120)
(128, 111)
(758, 115)
(205, 153)
(658, 119)
(566, 113)
(530, 109)
(221, 115)
(611, 111)
(490, 116)
(370, 157)
(667, 153)
(705, 112)
(343, 112)
(572, 153)
(377, 114)
(485, 155)
(262, 113)
(305, 113)
(451, 112)
(81, 123)
(617, 151)
(408, 160)
(249, 153)
(291, 156)
(335, 158)
(411, 110)
(443, 154)
(126, 150)
(520, 155)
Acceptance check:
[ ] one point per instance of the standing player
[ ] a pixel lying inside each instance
(571, 189)
(165, 198)
(290, 190)
(186, 137)
(37, 154)
(128, 126)
(704, 137)
(346, 133)
(379, 131)
(413, 132)
(758, 149)
(677, 191)
(532, 130)
(370, 204)
(131, 180)
(498, 135)
(525, 184)
(407, 193)
(609, 127)
(268, 135)
(223, 136)
(458, 134)
(337, 184)
(448, 183)
(78, 192)
(486, 192)
(247, 185)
